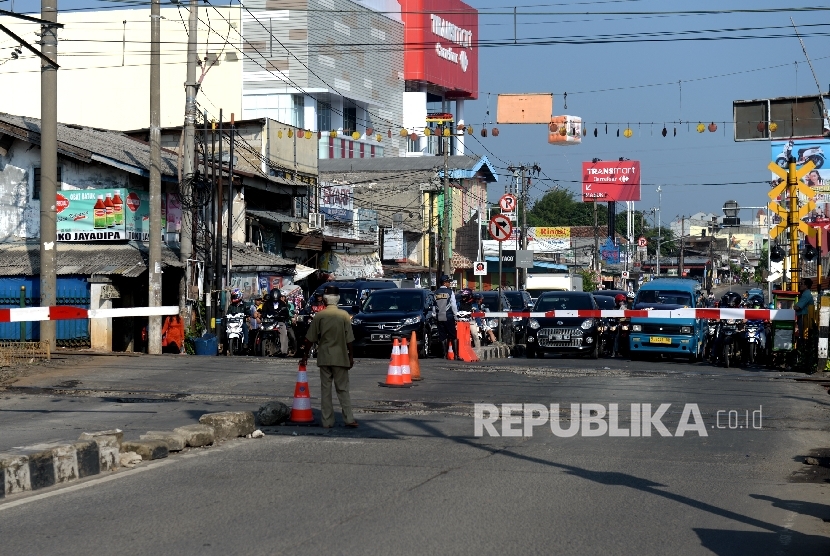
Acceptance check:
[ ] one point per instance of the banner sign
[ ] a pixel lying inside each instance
(393, 245)
(818, 179)
(352, 266)
(549, 239)
(610, 181)
(336, 202)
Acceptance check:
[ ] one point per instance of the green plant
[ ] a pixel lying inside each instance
(590, 280)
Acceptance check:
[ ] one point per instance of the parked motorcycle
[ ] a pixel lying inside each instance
(711, 334)
(816, 154)
(233, 333)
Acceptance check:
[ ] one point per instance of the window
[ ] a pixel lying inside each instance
(36, 182)
(563, 303)
(323, 116)
(413, 146)
(349, 118)
(298, 102)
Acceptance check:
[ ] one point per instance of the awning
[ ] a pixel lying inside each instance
(404, 268)
(302, 271)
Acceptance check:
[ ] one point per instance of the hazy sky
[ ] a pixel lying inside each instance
(645, 76)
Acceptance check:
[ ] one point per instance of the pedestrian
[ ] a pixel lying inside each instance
(805, 303)
(447, 313)
(331, 328)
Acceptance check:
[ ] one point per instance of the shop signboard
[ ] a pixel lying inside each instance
(549, 239)
(91, 215)
(610, 181)
(336, 202)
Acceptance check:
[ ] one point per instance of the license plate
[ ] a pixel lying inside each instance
(561, 337)
(660, 340)
(381, 337)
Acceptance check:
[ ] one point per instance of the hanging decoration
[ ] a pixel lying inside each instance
(300, 134)
(675, 132)
(446, 131)
(595, 132)
(413, 136)
(701, 128)
(279, 134)
(773, 127)
(355, 135)
(484, 132)
(290, 133)
(713, 127)
(495, 132)
(332, 134)
(628, 133)
(565, 131)
(469, 129)
(319, 135)
(427, 131)
(308, 134)
(618, 132)
(370, 131)
(402, 132)
(665, 131)
(379, 137)
(389, 133)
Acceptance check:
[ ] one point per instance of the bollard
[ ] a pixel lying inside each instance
(22, 306)
(823, 332)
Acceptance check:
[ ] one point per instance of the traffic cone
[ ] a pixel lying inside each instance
(450, 353)
(465, 350)
(414, 364)
(301, 408)
(394, 378)
(404, 362)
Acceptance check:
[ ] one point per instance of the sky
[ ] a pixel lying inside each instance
(635, 85)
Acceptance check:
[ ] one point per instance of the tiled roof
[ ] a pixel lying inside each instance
(124, 259)
(87, 144)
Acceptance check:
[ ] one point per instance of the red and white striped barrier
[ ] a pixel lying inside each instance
(63, 312)
(720, 314)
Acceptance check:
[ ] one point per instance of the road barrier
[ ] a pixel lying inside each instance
(719, 314)
(64, 312)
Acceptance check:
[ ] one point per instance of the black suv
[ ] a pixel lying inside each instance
(578, 335)
(352, 292)
(389, 313)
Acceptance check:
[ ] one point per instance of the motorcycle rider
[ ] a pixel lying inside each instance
(621, 301)
(254, 321)
(236, 307)
(478, 306)
(278, 310)
(447, 313)
(465, 305)
(729, 300)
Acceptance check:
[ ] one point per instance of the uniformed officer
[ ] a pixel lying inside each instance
(447, 311)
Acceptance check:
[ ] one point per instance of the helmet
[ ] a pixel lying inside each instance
(730, 299)
(275, 294)
(466, 293)
(630, 295)
(619, 298)
(236, 295)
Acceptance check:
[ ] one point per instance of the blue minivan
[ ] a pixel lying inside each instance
(683, 337)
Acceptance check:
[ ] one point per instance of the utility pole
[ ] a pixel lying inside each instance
(447, 239)
(524, 227)
(229, 249)
(659, 226)
(48, 164)
(189, 149)
(154, 272)
(682, 233)
(596, 240)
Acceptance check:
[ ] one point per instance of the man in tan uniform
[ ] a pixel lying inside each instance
(332, 330)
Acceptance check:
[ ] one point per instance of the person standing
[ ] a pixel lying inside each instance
(447, 313)
(331, 328)
(802, 308)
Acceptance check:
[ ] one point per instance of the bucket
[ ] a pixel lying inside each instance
(206, 345)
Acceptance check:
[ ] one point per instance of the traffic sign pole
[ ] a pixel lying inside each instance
(500, 283)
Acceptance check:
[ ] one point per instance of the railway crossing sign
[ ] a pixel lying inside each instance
(508, 203)
(499, 227)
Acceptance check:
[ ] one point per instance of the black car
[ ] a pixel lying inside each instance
(519, 300)
(389, 313)
(578, 335)
(491, 304)
(353, 292)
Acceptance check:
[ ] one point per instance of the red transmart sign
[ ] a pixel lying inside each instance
(610, 181)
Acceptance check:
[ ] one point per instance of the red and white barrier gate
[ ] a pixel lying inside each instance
(720, 314)
(63, 312)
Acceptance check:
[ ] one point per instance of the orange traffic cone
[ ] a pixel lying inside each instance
(394, 378)
(404, 362)
(414, 364)
(301, 408)
(450, 353)
(465, 350)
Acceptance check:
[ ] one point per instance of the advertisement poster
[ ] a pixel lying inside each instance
(247, 282)
(91, 215)
(393, 245)
(137, 215)
(610, 181)
(343, 265)
(174, 213)
(819, 178)
(549, 239)
(336, 202)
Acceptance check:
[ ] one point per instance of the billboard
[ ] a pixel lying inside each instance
(534, 108)
(549, 239)
(610, 181)
(815, 150)
(780, 118)
(91, 215)
(337, 203)
(440, 45)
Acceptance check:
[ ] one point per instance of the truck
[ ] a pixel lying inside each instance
(540, 283)
(683, 337)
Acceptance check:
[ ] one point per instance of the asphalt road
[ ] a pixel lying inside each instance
(414, 479)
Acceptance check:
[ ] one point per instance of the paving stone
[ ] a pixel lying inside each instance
(65, 460)
(15, 473)
(229, 424)
(147, 449)
(117, 433)
(197, 435)
(89, 458)
(176, 442)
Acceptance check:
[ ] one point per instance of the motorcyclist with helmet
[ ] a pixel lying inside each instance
(726, 330)
(236, 307)
(621, 301)
(277, 308)
(447, 313)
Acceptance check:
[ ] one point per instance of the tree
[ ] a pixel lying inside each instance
(559, 208)
(590, 280)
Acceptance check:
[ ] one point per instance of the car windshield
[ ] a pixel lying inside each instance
(347, 296)
(491, 301)
(665, 297)
(516, 299)
(393, 300)
(563, 303)
(605, 302)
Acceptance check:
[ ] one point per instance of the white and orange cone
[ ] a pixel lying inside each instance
(404, 362)
(394, 378)
(301, 408)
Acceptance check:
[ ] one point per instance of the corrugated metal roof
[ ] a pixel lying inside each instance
(124, 259)
(274, 217)
(249, 259)
(112, 148)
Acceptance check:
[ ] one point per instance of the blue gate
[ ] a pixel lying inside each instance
(71, 290)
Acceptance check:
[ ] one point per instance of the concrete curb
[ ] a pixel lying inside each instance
(45, 465)
(495, 351)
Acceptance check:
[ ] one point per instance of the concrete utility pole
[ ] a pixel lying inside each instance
(524, 227)
(189, 145)
(682, 233)
(48, 164)
(447, 238)
(659, 226)
(154, 292)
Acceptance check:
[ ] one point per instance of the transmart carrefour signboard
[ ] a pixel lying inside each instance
(111, 215)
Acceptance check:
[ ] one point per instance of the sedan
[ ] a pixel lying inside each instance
(578, 335)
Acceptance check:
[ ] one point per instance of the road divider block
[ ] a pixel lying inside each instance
(229, 424)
